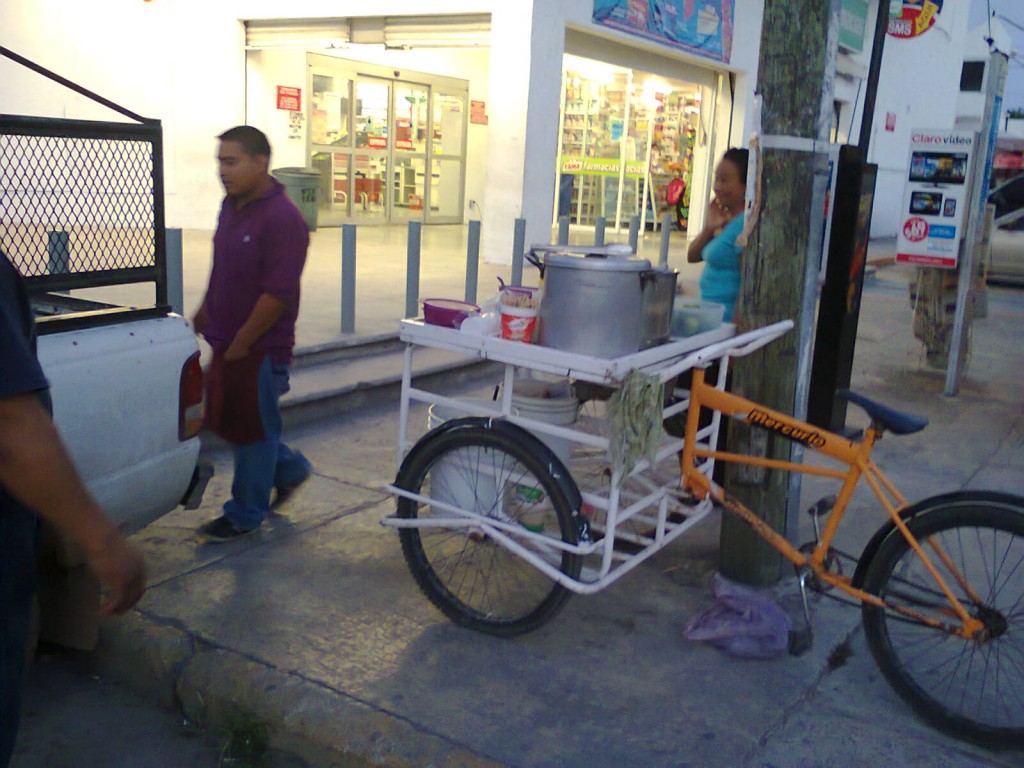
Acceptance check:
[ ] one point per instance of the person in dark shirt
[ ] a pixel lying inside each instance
(37, 477)
(248, 318)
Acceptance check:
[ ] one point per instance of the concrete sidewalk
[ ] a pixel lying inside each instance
(315, 627)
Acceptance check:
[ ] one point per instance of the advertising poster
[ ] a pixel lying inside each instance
(703, 27)
(918, 17)
(935, 198)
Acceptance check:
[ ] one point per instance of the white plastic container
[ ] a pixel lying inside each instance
(453, 480)
(560, 411)
(691, 316)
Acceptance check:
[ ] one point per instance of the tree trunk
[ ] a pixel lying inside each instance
(795, 81)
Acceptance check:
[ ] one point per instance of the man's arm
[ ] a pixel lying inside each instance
(35, 468)
(262, 318)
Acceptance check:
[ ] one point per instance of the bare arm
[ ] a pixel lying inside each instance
(693, 253)
(263, 316)
(35, 468)
(714, 220)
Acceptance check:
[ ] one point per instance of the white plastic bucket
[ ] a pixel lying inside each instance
(560, 411)
(453, 481)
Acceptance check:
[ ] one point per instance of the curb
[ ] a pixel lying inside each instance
(218, 689)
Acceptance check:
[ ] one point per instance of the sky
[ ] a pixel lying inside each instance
(1010, 13)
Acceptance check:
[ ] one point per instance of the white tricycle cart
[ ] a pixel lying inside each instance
(495, 527)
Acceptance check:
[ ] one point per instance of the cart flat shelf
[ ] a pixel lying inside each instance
(598, 370)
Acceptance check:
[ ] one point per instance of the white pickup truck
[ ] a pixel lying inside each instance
(82, 219)
(127, 394)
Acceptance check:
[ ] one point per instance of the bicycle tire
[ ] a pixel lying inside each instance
(504, 472)
(970, 689)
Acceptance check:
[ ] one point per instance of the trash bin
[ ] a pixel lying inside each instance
(303, 187)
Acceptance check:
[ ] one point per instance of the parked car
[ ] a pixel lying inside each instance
(1008, 198)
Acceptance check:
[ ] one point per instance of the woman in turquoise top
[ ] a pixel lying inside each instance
(716, 243)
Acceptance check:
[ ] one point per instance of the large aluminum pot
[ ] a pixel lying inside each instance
(592, 304)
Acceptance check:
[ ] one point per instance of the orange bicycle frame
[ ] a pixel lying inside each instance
(857, 458)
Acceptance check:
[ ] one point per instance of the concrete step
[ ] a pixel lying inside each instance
(335, 379)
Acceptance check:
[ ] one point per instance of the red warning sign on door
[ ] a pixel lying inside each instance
(289, 98)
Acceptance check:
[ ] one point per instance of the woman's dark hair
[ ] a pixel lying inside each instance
(738, 157)
(253, 140)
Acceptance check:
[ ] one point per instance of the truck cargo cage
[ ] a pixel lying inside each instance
(82, 201)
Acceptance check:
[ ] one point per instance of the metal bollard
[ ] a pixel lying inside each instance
(563, 230)
(472, 261)
(634, 232)
(412, 270)
(58, 252)
(666, 232)
(518, 249)
(348, 278)
(599, 225)
(175, 282)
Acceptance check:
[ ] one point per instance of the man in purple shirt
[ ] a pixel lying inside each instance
(248, 318)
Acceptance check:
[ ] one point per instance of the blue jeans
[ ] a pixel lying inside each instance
(261, 467)
(17, 586)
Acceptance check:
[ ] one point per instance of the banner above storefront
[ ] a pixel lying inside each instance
(600, 166)
(703, 27)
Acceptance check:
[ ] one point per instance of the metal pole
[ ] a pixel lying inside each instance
(472, 261)
(871, 87)
(58, 252)
(348, 278)
(985, 143)
(175, 283)
(666, 232)
(518, 249)
(634, 232)
(563, 230)
(599, 225)
(412, 271)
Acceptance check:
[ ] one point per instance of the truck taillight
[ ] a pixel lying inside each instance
(190, 399)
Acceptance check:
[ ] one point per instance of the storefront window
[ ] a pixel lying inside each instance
(625, 136)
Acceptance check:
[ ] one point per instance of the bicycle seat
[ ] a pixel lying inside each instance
(892, 420)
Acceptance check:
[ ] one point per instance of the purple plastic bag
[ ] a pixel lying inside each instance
(742, 622)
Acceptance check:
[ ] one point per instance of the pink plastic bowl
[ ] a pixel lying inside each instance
(447, 312)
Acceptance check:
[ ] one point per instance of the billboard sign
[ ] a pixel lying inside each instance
(935, 198)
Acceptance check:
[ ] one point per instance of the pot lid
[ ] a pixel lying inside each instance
(598, 262)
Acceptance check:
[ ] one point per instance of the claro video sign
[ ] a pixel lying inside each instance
(935, 198)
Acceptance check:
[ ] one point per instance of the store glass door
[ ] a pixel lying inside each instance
(448, 151)
(407, 193)
(370, 158)
(388, 150)
(330, 136)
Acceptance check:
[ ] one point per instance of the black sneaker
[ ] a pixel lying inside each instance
(284, 492)
(220, 530)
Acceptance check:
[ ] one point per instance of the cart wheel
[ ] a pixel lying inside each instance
(502, 471)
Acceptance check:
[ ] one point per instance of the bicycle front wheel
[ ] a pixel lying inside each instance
(502, 472)
(972, 689)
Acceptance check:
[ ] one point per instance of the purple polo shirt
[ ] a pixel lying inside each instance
(258, 249)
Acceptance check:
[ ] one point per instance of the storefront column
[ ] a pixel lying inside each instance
(523, 105)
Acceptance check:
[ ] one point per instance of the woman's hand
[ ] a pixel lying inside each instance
(717, 216)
